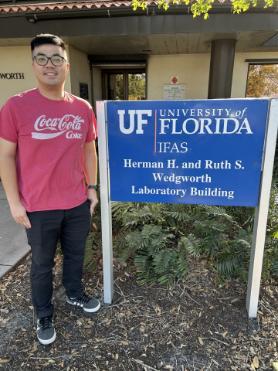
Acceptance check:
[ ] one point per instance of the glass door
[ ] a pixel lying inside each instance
(124, 85)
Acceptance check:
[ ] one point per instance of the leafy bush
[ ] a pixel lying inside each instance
(149, 241)
(160, 238)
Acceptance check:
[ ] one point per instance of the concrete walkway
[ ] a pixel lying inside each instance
(13, 242)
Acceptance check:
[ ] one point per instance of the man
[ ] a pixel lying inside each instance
(47, 144)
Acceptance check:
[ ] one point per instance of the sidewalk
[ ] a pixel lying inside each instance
(13, 242)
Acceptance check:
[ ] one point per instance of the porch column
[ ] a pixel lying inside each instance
(221, 68)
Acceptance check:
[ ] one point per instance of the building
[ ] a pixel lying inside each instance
(116, 53)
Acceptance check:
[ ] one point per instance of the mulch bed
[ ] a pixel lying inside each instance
(198, 324)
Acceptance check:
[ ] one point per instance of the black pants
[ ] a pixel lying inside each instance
(71, 227)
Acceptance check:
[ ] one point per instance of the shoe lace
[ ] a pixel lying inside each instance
(45, 322)
(84, 299)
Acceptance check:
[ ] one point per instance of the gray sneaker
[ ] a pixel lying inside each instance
(46, 333)
(85, 302)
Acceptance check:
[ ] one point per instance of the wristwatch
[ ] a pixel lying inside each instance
(92, 186)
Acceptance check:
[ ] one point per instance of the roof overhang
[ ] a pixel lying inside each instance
(112, 27)
(107, 8)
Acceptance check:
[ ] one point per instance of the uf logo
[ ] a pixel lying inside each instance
(134, 121)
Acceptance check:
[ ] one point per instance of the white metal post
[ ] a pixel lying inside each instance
(106, 218)
(260, 223)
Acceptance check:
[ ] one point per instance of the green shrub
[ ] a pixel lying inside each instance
(271, 249)
(159, 239)
(149, 241)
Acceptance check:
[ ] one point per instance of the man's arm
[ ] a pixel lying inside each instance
(9, 180)
(90, 157)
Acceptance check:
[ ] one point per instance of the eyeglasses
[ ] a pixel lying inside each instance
(56, 59)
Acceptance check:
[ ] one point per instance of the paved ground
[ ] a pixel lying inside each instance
(13, 243)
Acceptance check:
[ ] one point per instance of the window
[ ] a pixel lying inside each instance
(262, 80)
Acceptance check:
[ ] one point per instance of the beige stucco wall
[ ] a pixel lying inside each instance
(192, 70)
(79, 70)
(241, 70)
(17, 59)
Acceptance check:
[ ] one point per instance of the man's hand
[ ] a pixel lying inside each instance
(19, 214)
(92, 196)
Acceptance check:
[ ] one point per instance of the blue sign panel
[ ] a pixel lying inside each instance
(192, 152)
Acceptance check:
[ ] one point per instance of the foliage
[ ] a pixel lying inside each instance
(202, 7)
(161, 239)
(271, 251)
(136, 86)
(145, 237)
(93, 253)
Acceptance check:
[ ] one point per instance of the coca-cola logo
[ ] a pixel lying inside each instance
(68, 124)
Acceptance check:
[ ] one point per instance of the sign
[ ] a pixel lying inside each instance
(174, 91)
(217, 151)
(11, 75)
(192, 152)
(174, 80)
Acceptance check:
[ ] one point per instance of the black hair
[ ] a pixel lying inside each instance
(47, 38)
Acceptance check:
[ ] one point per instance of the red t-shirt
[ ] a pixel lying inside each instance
(50, 137)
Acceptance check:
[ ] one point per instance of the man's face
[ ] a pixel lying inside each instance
(50, 75)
